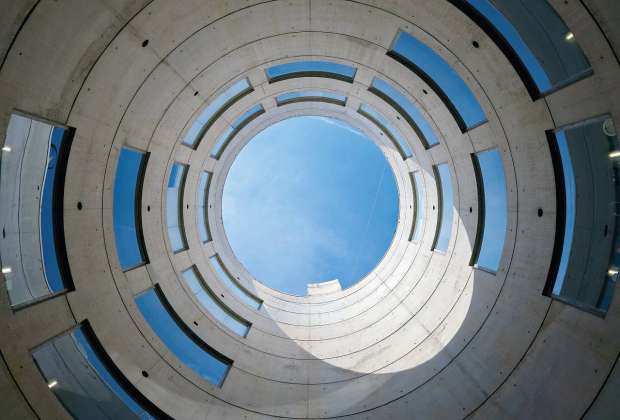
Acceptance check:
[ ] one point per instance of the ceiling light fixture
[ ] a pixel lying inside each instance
(52, 383)
(569, 36)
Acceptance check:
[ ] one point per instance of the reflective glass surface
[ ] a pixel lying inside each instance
(212, 304)
(228, 281)
(129, 246)
(383, 124)
(213, 110)
(446, 82)
(407, 109)
(494, 217)
(310, 68)
(187, 347)
(174, 212)
(444, 185)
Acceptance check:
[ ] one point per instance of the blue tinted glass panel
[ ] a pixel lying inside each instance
(195, 354)
(212, 304)
(310, 68)
(203, 194)
(383, 124)
(311, 95)
(48, 240)
(234, 128)
(77, 372)
(444, 180)
(407, 109)
(226, 278)
(127, 181)
(537, 35)
(32, 245)
(213, 110)
(586, 258)
(495, 209)
(418, 189)
(174, 212)
(459, 99)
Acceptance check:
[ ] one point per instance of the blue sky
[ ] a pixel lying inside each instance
(310, 199)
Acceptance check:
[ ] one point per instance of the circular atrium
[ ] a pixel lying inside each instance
(309, 209)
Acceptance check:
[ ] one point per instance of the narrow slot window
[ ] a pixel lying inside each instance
(311, 96)
(234, 128)
(213, 304)
(407, 109)
(203, 195)
(126, 208)
(229, 282)
(311, 69)
(418, 207)
(174, 207)
(441, 77)
(220, 104)
(180, 340)
(535, 40)
(86, 381)
(32, 177)
(444, 219)
(586, 260)
(493, 210)
(384, 125)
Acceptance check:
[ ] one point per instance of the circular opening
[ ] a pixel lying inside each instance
(145, 43)
(309, 200)
(476, 44)
(540, 212)
(79, 205)
(145, 374)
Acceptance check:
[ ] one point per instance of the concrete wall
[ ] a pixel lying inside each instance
(424, 335)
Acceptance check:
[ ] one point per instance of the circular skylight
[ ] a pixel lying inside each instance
(308, 200)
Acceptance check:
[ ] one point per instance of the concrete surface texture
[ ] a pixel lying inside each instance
(425, 335)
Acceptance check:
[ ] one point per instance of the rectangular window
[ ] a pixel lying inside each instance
(418, 207)
(311, 69)
(86, 381)
(444, 219)
(311, 96)
(234, 128)
(32, 177)
(216, 108)
(180, 340)
(384, 125)
(245, 296)
(126, 208)
(203, 195)
(535, 40)
(212, 303)
(492, 210)
(441, 77)
(407, 109)
(586, 254)
(174, 207)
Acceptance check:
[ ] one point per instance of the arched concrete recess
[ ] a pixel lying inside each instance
(424, 335)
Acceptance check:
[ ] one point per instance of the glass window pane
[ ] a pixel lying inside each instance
(174, 203)
(311, 96)
(181, 341)
(234, 128)
(32, 172)
(79, 374)
(310, 69)
(212, 304)
(494, 209)
(215, 109)
(444, 223)
(125, 208)
(586, 254)
(446, 82)
(541, 41)
(407, 109)
(228, 281)
(380, 121)
(418, 191)
(203, 194)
